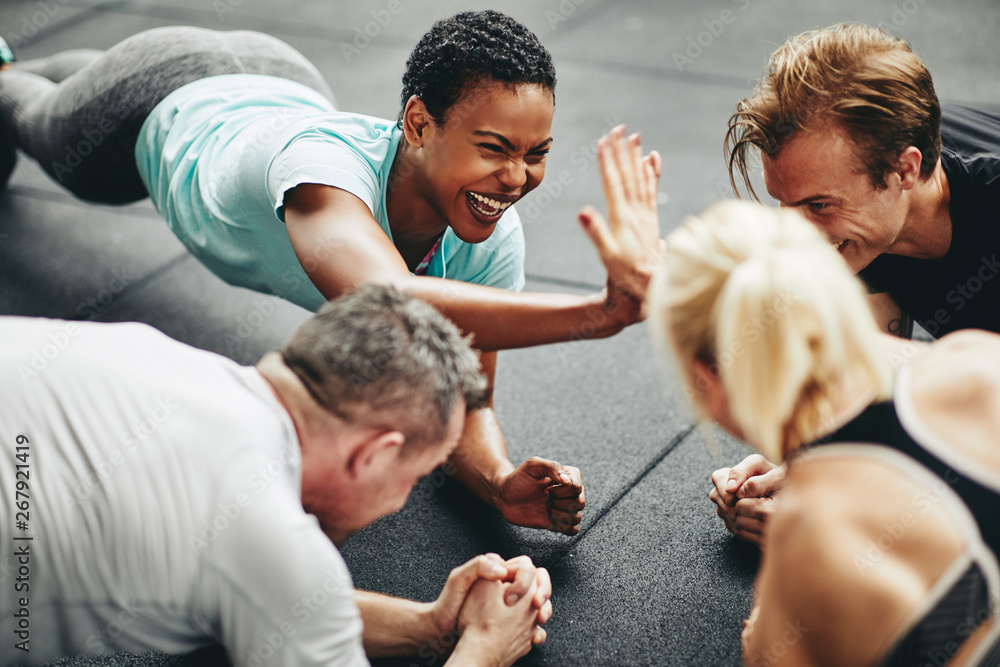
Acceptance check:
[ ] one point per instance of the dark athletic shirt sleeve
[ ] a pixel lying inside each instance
(962, 289)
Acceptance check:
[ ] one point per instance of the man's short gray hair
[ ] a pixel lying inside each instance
(378, 354)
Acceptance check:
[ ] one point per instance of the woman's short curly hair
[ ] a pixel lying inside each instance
(471, 48)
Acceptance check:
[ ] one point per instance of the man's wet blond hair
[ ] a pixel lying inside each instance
(868, 83)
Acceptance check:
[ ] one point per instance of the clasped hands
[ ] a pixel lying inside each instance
(744, 496)
(496, 607)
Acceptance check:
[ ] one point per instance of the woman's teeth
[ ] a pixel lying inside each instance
(486, 206)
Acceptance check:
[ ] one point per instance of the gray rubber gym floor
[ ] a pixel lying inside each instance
(652, 578)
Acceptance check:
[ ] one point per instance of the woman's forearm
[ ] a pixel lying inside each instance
(324, 222)
(501, 320)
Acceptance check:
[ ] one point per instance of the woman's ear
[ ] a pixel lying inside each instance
(705, 377)
(415, 121)
(708, 389)
(710, 393)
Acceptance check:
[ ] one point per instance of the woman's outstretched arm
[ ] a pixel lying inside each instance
(325, 222)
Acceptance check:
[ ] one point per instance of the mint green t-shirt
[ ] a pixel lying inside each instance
(218, 155)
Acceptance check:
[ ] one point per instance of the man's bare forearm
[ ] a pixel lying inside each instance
(393, 626)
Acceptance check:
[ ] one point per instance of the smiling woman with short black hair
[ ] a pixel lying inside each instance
(236, 139)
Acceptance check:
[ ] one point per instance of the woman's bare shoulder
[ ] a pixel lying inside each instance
(850, 554)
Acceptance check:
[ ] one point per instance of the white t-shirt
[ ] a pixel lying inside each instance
(161, 491)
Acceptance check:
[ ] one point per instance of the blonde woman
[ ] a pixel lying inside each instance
(875, 553)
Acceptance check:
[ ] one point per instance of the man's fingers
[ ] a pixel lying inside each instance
(751, 466)
(718, 494)
(726, 513)
(630, 154)
(544, 591)
(539, 636)
(754, 465)
(719, 478)
(486, 566)
(735, 479)
(650, 185)
(524, 578)
(545, 613)
(463, 578)
(570, 489)
(571, 476)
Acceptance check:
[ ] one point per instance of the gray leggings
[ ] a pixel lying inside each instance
(78, 113)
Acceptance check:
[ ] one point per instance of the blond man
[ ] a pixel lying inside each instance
(849, 131)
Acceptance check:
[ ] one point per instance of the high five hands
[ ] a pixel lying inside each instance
(629, 241)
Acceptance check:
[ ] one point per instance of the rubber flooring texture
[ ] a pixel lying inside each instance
(653, 578)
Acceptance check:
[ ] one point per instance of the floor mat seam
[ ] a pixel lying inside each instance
(641, 475)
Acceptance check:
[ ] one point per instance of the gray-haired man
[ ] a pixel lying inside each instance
(159, 497)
